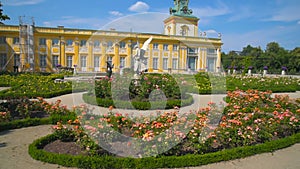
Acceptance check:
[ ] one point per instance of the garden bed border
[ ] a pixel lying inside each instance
(190, 160)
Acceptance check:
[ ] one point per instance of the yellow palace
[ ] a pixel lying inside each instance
(179, 49)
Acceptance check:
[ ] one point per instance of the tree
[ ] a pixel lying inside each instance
(277, 56)
(293, 64)
(3, 17)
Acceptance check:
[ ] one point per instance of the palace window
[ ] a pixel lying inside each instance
(155, 63)
(16, 40)
(174, 63)
(109, 59)
(83, 61)
(43, 61)
(42, 41)
(55, 60)
(96, 44)
(69, 42)
(166, 47)
(122, 45)
(122, 62)
(97, 61)
(3, 59)
(2, 40)
(165, 63)
(69, 61)
(192, 50)
(211, 51)
(184, 30)
(175, 47)
(83, 43)
(55, 42)
(109, 44)
(155, 46)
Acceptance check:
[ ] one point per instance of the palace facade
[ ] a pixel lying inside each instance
(179, 49)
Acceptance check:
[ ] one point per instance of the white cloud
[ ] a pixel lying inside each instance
(21, 2)
(115, 13)
(139, 7)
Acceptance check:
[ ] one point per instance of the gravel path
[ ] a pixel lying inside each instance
(14, 148)
(14, 154)
(14, 145)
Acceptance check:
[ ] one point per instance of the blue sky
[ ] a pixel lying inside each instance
(241, 22)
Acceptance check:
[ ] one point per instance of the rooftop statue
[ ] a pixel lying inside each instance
(181, 8)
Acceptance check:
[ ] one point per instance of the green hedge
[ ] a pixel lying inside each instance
(137, 105)
(36, 152)
(53, 119)
(4, 95)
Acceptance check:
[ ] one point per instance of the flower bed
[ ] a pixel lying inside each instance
(207, 83)
(80, 161)
(275, 84)
(252, 122)
(35, 85)
(19, 113)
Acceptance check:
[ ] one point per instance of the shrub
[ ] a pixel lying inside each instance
(139, 105)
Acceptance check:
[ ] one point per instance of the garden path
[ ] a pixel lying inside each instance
(14, 145)
(14, 154)
(14, 148)
(75, 99)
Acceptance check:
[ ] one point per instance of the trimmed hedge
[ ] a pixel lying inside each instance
(4, 95)
(53, 119)
(36, 152)
(137, 105)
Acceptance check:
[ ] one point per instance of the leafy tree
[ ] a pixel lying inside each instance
(293, 64)
(275, 57)
(3, 17)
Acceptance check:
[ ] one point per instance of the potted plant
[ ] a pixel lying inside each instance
(234, 69)
(265, 70)
(284, 69)
(228, 70)
(250, 70)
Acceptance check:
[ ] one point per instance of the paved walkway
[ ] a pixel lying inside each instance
(14, 144)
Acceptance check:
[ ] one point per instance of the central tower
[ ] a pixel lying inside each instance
(181, 22)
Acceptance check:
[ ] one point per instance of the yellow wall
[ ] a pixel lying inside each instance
(77, 35)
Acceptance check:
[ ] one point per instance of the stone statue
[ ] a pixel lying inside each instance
(181, 8)
(109, 68)
(140, 62)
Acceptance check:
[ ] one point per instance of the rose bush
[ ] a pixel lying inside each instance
(161, 90)
(250, 117)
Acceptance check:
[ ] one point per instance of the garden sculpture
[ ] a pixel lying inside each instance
(140, 62)
(109, 69)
